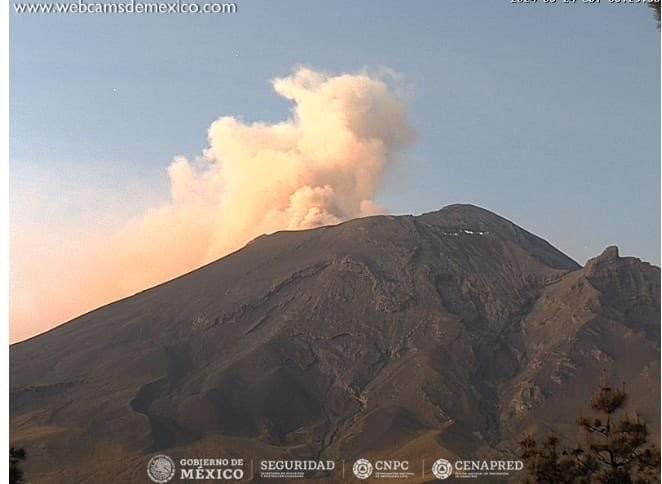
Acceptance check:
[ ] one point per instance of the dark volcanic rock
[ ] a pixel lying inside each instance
(452, 331)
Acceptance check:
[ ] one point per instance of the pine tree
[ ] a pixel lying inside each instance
(616, 450)
(548, 464)
(655, 5)
(16, 455)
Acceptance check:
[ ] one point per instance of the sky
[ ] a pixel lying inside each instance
(546, 114)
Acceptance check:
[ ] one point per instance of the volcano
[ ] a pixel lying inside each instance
(450, 334)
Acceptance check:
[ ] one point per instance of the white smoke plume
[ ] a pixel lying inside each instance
(321, 166)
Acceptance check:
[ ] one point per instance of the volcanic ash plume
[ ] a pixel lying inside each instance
(321, 166)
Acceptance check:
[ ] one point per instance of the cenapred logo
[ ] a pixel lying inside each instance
(160, 468)
(362, 468)
(442, 469)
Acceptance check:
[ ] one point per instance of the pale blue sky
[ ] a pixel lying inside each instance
(548, 115)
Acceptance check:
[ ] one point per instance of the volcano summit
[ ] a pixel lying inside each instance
(450, 333)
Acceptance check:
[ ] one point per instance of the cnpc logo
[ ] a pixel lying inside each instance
(363, 468)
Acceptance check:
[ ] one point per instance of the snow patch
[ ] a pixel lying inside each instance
(465, 232)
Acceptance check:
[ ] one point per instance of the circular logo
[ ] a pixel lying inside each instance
(160, 468)
(442, 469)
(362, 468)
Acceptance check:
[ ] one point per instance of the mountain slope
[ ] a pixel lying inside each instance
(450, 332)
